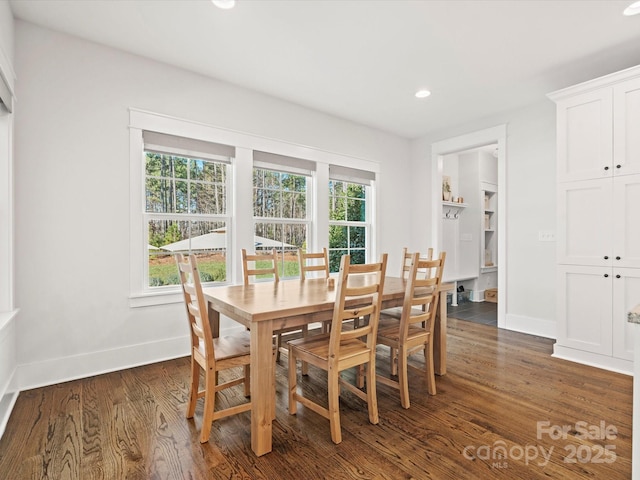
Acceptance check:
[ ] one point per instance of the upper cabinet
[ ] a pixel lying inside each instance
(596, 137)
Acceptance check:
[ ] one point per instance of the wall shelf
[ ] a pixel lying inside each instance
(455, 204)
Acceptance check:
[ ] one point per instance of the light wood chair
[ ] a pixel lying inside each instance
(415, 330)
(405, 268)
(320, 263)
(210, 354)
(344, 348)
(270, 269)
(265, 265)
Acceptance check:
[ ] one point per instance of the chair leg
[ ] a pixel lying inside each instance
(209, 404)
(403, 381)
(293, 383)
(431, 374)
(247, 380)
(193, 389)
(278, 345)
(273, 387)
(372, 396)
(393, 356)
(304, 368)
(334, 404)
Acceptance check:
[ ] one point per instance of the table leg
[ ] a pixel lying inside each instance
(214, 321)
(440, 336)
(262, 394)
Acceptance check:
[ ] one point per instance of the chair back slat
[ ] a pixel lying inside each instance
(357, 296)
(268, 262)
(423, 274)
(319, 263)
(196, 307)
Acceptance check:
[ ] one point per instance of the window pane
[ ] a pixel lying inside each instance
(337, 208)
(338, 236)
(356, 210)
(286, 238)
(335, 257)
(208, 240)
(184, 185)
(294, 205)
(266, 203)
(208, 198)
(357, 237)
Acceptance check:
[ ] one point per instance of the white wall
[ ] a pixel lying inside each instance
(530, 207)
(72, 194)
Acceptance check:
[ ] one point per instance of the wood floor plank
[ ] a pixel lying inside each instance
(484, 422)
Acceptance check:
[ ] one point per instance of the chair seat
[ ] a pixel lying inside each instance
(388, 329)
(317, 346)
(394, 312)
(231, 346)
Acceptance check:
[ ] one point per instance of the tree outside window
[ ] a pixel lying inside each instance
(348, 227)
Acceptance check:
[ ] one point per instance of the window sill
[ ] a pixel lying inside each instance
(155, 298)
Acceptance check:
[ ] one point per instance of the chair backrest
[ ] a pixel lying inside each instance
(263, 264)
(422, 291)
(197, 311)
(365, 281)
(407, 259)
(320, 263)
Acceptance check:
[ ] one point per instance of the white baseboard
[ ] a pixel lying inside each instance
(7, 401)
(63, 369)
(531, 325)
(593, 359)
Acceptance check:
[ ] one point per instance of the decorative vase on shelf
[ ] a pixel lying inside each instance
(446, 188)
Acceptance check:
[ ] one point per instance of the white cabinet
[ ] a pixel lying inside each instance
(598, 131)
(598, 240)
(599, 222)
(593, 303)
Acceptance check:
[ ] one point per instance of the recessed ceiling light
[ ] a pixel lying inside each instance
(423, 93)
(224, 4)
(632, 9)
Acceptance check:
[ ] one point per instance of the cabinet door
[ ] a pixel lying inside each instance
(585, 136)
(584, 308)
(626, 121)
(626, 221)
(626, 295)
(585, 222)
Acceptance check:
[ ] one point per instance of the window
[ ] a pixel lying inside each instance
(349, 217)
(281, 207)
(186, 207)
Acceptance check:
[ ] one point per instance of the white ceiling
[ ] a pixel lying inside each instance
(363, 60)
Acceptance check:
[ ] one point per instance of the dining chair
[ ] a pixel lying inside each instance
(319, 263)
(263, 266)
(212, 355)
(358, 293)
(406, 257)
(415, 329)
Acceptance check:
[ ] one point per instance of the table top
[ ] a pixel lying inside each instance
(271, 300)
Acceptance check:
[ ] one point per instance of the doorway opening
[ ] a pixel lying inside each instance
(469, 222)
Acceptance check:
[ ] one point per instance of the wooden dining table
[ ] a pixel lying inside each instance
(266, 307)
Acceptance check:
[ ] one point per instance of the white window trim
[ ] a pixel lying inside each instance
(244, 143)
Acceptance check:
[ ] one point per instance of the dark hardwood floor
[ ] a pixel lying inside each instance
(493, 417)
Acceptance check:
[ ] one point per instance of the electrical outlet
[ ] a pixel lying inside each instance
(546, 236)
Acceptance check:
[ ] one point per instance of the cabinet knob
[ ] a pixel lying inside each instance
(606, 257)
(606, 168)
(618, 166)
(606, 275)
(617, 258)
(617, 276)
